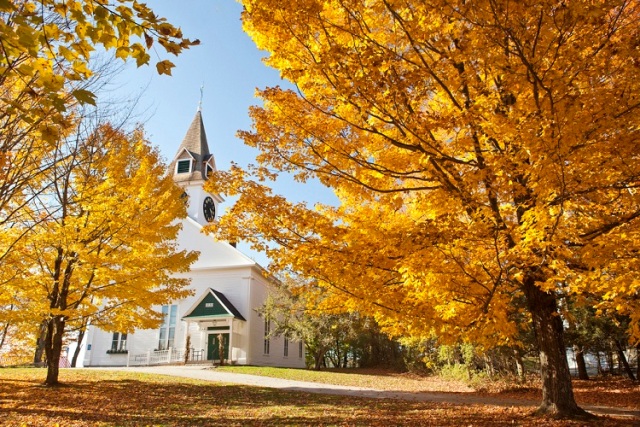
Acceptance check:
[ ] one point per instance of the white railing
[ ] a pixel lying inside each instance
(157, 357)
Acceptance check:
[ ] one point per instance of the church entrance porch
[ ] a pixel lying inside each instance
(217, 328)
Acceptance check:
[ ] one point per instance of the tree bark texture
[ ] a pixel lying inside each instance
(557, 391)
(40, 344)
(53, 348)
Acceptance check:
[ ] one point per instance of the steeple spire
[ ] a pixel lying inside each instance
(193, 157)
(191, 167)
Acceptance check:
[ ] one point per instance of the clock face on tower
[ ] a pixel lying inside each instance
(209, 209)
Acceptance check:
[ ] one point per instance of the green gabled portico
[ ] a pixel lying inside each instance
(215, 315)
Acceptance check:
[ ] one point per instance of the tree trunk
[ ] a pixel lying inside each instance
(519, 364)
(53, 348)
(318, 357)
(557, 391)
(187, 348)
(623, 360)
(488, 363)
(76, 353)
(610, 362)
(336, 358)
(582, 366)
(599, 362)
(40, 344)
(221, 349)
(3, 334)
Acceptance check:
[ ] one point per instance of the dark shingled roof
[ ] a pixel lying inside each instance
(228, 304)
(195, 142)
(197, 310)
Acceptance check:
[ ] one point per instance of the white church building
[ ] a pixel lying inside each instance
(228, 286)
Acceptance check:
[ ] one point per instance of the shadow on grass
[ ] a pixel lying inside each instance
(147, 400)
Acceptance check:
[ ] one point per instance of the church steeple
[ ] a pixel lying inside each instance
(191, 166)
(193, 161)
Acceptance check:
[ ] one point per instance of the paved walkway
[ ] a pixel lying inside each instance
(208, 373)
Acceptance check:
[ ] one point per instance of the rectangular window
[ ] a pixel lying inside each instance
(168, 327)
(300, 349)
(267, 330)
(286, 347)
(184, 166)
(118, 343)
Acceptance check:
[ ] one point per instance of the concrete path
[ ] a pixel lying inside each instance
(208, 373)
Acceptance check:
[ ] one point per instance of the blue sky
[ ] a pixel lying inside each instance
(226, 62)
(230, 67)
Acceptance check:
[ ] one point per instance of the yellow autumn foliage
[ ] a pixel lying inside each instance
(99, 240)
(485, 155)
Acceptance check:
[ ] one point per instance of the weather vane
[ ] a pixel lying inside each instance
(201, 96)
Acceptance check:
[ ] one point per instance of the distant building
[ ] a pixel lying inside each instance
(228, 287)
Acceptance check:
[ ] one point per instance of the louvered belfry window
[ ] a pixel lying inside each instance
(184, 166)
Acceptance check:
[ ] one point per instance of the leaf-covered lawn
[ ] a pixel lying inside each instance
(610, 391)
(113, 398)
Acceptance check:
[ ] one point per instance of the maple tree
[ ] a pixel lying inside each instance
(484, 154)
(104, 248)
(47, 62)
(48, 67)
(48, 43)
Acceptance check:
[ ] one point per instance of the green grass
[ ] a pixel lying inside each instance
(376, 379)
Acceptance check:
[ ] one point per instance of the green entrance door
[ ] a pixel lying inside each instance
(213, 346)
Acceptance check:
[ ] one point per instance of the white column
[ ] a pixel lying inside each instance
(203, 342)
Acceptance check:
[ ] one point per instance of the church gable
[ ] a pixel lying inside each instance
(184, 162)
(213, 304)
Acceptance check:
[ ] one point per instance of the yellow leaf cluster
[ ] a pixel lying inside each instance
(48, 44)
(485, 157)
(103, 246)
